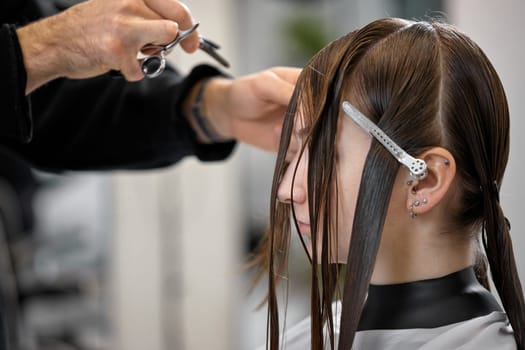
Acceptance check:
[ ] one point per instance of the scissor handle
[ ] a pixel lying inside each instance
(153, 66)
(153, 57)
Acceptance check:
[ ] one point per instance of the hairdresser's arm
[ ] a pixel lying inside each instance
(83, 41)
(106, 123)
(96, 36)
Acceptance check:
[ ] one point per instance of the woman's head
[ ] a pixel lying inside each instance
(431, 90)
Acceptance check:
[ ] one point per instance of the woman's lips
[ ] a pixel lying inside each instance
(304, 228)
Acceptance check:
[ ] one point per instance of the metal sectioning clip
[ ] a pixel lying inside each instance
(152, 57)
(417, 167)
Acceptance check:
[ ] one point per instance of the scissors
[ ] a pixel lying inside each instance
(152, 57)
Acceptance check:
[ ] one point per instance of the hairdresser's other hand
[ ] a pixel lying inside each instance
(251, 109)
(96, 36)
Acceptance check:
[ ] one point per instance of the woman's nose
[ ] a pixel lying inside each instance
(285, 191)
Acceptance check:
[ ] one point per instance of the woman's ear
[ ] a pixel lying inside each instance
(425, 194)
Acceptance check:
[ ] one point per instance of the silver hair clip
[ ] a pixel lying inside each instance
(417, 167)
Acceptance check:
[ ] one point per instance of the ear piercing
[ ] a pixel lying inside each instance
(416, 203)
(411, 211)
(410, 183)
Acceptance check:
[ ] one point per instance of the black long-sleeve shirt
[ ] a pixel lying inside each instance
(99, 123)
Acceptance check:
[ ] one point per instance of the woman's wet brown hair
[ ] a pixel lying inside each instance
(424, 84)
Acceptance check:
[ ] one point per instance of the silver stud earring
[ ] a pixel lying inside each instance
(410, 182)
(415, 203)
(411, 212)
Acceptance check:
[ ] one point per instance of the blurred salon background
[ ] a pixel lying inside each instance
(154, 260)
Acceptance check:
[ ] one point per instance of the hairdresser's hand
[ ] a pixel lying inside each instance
(96, 36)
(251, 109)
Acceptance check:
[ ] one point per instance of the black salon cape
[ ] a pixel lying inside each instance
(100, 123)
(450, 312)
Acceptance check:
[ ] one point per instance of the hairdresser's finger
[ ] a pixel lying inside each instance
(124, 48)
(160, 31)
(178, 12)
(130, 69)
(146, 32)
(290, 74)
(276, 89)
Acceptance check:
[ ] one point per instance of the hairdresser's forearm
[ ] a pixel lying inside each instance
(248, 109)
(96, 36)
(40, 52)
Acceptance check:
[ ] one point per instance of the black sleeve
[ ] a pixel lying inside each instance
(108, 123)
(15, 115)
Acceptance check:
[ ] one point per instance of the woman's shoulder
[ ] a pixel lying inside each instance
(486, 332)
(491, 331)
